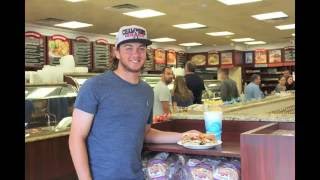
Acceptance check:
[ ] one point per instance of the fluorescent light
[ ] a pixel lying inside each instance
(144, 13)
(190, 44)
(255, 42)
(272, 15)
(235, 2)
(73, 25)
(286, 27)
(242, 39)
(222, 33)
(74, 1)
(189, 26)
(165, 39)
(114, 33)
(293, 34)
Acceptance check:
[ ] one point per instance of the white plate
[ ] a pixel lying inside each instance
(206, 146)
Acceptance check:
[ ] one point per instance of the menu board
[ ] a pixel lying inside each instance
(248, 57)
(81, 51)
(289, 54)
(101, 54)
(181, 59)
(275, 56)
(213, 59)
(171, 57)
(159, 59)
(34, 49)
(260, 56)
(226, 58)
(148, 65)
(58, 46)
(198, 59)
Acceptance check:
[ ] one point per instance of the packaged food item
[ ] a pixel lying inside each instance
(199, 170)
(158, 167)
(227, 170)
(179, 172)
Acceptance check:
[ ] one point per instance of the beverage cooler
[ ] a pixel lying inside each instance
(48, 104)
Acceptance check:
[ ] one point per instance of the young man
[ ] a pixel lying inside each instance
(112, 116)
(252, 90)
(194, 82)
(228, 88)
(162, 95)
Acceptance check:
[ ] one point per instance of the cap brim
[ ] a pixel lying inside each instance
(147, 42)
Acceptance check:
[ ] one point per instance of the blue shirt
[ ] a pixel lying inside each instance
(121, 111)
(252, 91)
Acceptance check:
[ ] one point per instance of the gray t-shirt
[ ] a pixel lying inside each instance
(161, 93)
(121, 112)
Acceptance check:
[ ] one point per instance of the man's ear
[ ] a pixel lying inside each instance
(116, 52)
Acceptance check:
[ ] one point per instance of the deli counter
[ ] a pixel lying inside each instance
(48, 104)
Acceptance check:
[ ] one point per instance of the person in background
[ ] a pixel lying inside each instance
(182, 95)
(252, 90)
(286, 73)
(290, 84)
(281, 86)
(112, 115)
(162, 96)
(228, 88)
(194, 82)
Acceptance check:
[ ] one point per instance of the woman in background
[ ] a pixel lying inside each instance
(290, 85)
(182, 96)
(281, 86)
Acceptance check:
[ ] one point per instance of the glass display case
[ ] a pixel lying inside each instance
(48, 104)
(212, 89)
(77, 79)
(151, 79)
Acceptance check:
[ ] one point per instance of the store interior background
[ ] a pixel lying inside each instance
(214, 14)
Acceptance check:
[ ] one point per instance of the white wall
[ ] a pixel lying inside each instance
(236, 75)
(48, 31)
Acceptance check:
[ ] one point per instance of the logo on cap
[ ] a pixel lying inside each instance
(134, 33)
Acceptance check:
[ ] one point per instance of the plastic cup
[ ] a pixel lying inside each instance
(213, 121)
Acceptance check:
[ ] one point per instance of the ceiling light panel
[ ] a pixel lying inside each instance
(165, 39)
(73, 25)
(236, 2)
(190, 44)
(189, 26)
(146, 13)
(286, 27)
(255, 42)
(222, 33)
(272, 15)
(242, 39)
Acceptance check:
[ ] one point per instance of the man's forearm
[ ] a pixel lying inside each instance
(79, 156)
(157, 136)
(165, 107)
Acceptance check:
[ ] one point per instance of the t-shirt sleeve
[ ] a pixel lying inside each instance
(86, 99)
(164, 94)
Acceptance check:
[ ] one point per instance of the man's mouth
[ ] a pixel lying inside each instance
(135, 61)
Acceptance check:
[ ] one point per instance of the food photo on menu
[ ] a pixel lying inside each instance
(213, 59)
(171, 57)
(199, 59)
